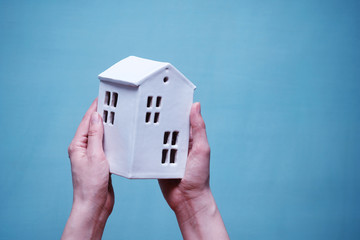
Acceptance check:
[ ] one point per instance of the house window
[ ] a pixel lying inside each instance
(107, 98)
(169, 146)
(156, 117)
(153, 106)
(114, 99)
(147, 117)
(166, 137)
(110, 102)
(109, 118)
(149, 102)
(105, 116)
(158, 102)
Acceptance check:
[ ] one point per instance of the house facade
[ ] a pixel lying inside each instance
(145, 106)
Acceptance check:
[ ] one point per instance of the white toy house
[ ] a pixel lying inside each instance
(145, 107)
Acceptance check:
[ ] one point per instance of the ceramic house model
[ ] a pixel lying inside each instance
(145, 107)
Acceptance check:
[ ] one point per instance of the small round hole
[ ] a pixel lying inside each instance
(166, 79)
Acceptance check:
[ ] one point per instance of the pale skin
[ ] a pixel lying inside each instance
(93, 198)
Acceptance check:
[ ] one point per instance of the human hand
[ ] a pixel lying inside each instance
(93, 195)
(190, 197)
(195, 182)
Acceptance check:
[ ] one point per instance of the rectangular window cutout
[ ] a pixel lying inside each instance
(105, 115)
(172, 155)
(114, 99)
(107, 98)
(158, 101)
(149, 101)
(156, 117)
(164, 155)
(166, 137)
(112, 118)
(147, 117)
(174, 137)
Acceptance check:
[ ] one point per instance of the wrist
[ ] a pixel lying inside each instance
(194, 208)
(199, 218)
(90, 211)
(85, 222)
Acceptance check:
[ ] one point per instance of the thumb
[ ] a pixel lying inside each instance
(95, 135)
(198, 131)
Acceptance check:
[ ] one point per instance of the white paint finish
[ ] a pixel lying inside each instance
(132, 70)
(119, 137)
(174, 116)
(132, 146)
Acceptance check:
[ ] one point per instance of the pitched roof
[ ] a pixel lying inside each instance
(133, 71)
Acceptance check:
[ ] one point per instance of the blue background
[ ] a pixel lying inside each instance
(280, 91)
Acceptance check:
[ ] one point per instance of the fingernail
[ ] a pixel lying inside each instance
(95, 117)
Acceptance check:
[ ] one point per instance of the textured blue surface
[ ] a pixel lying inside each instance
(279, 83)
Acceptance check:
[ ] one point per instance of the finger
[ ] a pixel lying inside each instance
(79, 143)
(198, 131)
(95, 136)
(190, 140)
(82, 131)
(110, 186)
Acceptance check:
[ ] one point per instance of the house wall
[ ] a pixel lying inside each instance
(118, 131)
(176, 100)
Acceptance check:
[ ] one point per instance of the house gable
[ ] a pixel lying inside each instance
(133, 71)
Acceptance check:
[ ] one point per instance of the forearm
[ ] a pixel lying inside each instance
(83, 223)
(200, 218)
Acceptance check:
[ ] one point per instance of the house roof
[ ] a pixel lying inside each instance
(133, 71)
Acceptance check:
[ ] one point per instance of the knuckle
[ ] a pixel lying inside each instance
(203, 149)
(206, 150)
(71, 149)
(93, 132)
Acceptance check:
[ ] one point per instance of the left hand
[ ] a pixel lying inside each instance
(93, 197)
(190, 197)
